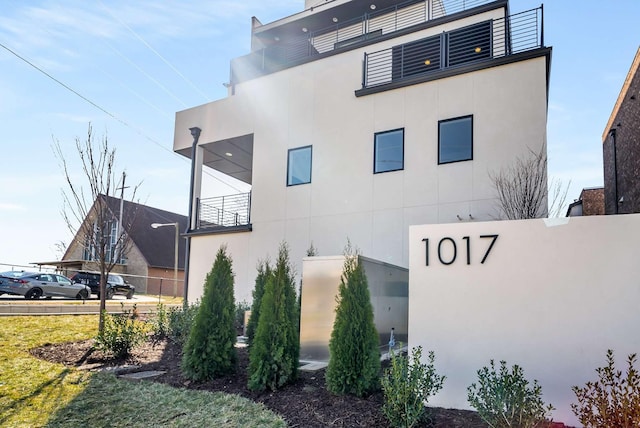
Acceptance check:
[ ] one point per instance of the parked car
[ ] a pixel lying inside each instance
(33, 285)
(115, 284)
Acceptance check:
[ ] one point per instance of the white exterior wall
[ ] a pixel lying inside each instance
(552, 296)
(314, 104)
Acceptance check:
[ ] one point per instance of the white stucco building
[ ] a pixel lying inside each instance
(357, 119)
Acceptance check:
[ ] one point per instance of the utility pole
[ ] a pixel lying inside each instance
(119, 227)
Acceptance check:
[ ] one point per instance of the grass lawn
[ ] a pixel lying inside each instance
(35, 393)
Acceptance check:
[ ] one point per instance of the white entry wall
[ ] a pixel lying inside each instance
(551, 295)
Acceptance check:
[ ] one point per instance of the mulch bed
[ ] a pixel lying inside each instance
(305, 403)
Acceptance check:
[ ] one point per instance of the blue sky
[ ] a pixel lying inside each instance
(142, 61)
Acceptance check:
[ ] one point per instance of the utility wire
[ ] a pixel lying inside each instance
(189, 82)
(108, 113)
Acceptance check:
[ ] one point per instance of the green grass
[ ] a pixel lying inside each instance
(35, 393)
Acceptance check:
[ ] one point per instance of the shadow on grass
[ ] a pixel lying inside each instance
(49, 390)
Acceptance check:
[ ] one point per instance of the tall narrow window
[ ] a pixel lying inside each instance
(455, 139)
(388, 151)
(299, 166)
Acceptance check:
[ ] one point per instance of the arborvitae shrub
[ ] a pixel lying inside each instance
(274, 352)
(354, 362)
(210, 350)
(264, 271)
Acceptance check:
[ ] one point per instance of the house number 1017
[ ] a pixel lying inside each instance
(448, 249)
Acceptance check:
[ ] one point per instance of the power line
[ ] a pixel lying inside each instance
(108, 113)
(189, 82)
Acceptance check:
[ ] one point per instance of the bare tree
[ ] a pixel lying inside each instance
(91, 215)
(522, 189)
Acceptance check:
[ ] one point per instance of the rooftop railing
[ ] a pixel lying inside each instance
(365, 27)
(224, 211)
(482, 41)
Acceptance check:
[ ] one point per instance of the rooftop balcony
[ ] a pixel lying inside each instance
(299, 39)
(447, 51)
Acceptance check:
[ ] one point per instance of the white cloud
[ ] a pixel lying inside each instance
(11, 207)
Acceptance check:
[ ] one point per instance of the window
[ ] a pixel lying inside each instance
(299, 166)
(455, 139)
(388, 152)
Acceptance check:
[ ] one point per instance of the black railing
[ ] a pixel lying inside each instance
(368, 26)
(478, 42)
(224, 211)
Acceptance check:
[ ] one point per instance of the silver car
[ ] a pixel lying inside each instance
(33, 285)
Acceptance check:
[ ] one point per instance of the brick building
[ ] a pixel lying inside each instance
(621, 148)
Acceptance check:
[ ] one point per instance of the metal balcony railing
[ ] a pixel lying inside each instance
(368, 26)
(224, 211)
(478, 42)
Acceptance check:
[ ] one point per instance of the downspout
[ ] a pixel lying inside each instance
(612, 133)
(195, 132)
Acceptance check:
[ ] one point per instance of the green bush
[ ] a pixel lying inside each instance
(180, 320)
(273, 356)
(505, 399)
(210, 350)
(241, 308)
(160, 322)
(264, 272)
(612, 400)
(354, 358)
(407, 385)
(121, 333)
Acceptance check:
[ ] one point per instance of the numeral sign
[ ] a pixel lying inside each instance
(447, 249)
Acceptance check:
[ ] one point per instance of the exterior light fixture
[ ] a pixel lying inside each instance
(228, 154)
(304, 29)
(335, 19)
(276, 38)
(478, 50)
(427, 62)
(373, 7)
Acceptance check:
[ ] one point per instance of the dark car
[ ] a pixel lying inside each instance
(115, 284)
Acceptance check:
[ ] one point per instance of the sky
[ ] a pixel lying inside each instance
(126, 67)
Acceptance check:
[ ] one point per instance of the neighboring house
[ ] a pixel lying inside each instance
(355, 120)
(150, 258)
(590, 202)
(621, 148)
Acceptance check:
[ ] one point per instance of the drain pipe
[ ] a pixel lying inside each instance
(195, 133)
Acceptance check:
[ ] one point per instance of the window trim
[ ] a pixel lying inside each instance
(469, 116)
(310, 147)
(375, 151)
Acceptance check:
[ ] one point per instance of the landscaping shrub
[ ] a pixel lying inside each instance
(121, 333)
(210, 350)
(180, 320)
(407, 385)
(354, 358)
(505, 399)
(264, 271)
(273, 356)
(241, 308)
(160, 322)
(612, 400)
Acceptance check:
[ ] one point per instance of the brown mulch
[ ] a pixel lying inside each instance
(305, 403)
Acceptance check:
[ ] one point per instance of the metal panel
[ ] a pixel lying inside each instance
(388, 287)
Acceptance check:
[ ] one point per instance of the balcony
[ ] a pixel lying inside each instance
(282, 50)
(472, 45)
(224, 214)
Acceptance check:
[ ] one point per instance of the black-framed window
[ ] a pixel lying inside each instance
(455, 139)
(388, 151)
(299, 166)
